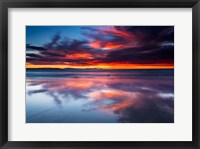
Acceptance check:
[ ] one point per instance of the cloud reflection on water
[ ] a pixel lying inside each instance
(133, 98)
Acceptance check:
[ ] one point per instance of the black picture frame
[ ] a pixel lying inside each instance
(5, 4)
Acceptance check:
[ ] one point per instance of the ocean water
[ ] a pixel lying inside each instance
(100, 96)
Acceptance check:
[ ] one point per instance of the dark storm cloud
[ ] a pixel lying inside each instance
(153, 33)
(54, 41)
(142, 55)
(29, 47)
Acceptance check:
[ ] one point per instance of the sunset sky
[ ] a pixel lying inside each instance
(100, 47)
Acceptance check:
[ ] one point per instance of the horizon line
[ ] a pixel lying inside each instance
(107, 69)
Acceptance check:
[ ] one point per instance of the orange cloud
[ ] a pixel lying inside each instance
(79, 56)
(110, 45)
(95, 44)
(121, 33)
(106, 45)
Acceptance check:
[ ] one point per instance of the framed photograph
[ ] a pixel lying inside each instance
(99, 74)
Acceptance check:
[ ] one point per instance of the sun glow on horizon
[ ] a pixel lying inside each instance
(104, 66)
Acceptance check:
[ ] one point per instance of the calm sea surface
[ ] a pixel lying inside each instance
(77, 96)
